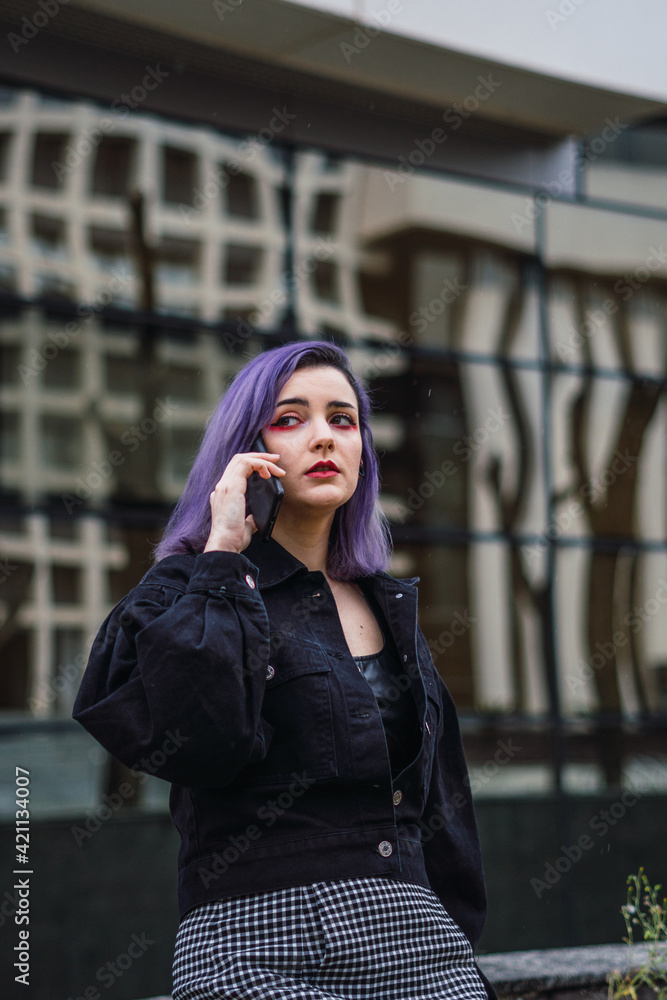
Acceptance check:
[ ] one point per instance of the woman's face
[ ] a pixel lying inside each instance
(316, 420)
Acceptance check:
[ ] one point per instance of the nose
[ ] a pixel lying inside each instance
(321, 436)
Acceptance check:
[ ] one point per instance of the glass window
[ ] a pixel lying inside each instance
(122, 376)
(8, 277)
(68, 670)
(179, 176)
(53, 286)
(66, 584)
(10, 435)
(183, 449)
(48, 237)
(61, 443)
(10, 359)
(241, 196)
(61, 527)
(63, 370)
(109, 248)
(515, 353)
(183, 382)
(325, 281)
(242, 263)
(5, 144)
(113, 166)
(325, 213)
(177, 262)
(49, 167)
(14, 677)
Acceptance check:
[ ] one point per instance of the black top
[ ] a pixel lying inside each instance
(384, 673)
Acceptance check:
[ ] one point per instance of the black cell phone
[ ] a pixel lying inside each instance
(263, 496)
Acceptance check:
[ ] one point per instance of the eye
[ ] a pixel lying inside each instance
(285, 416)
(347, 417)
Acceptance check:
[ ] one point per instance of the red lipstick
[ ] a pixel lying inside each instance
(323, 470)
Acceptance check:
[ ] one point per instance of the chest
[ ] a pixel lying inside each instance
(360, 626)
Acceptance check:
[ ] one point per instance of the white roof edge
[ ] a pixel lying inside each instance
(298, 37)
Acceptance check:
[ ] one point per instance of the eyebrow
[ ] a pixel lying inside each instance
(300, 401)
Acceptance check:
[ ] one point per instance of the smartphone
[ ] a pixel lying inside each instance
(263, 496)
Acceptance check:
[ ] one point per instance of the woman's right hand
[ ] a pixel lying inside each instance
(231, 530)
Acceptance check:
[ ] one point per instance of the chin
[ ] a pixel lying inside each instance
(319, 501)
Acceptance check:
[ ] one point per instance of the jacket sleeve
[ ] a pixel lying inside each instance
(449, 832)
(175, 679)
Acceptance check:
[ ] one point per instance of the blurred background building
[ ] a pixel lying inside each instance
(474, 203)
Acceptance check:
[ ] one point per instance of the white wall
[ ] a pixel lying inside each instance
(606, 43)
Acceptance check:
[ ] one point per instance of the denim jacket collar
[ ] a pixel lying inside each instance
(276, 564)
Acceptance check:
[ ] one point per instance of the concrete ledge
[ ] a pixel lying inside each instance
(560, 972)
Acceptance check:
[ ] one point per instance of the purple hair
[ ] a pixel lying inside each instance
(359, 541)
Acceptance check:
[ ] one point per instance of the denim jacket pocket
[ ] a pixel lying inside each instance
(431, 726)
(297, 705)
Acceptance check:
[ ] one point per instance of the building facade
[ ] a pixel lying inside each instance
(489, 243)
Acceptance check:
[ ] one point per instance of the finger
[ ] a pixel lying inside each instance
(269, 466)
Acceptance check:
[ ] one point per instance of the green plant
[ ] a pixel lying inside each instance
(643, 909)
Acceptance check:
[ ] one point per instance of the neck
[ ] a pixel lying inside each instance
(306, 538)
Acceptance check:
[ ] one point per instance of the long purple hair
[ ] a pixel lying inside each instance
(359, 540)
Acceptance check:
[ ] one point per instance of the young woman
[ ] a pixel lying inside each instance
(328, 839)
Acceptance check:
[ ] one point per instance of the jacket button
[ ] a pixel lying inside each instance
(428, 728)
(397, 798)
(399, 595)
(249, 580)
(385, 848)
(405, 657)
(270, 672)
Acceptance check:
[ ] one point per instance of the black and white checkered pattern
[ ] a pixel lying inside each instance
(348, 939)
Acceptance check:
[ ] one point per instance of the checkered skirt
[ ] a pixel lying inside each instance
(347, 939)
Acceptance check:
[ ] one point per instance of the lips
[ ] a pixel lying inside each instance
(323, 467)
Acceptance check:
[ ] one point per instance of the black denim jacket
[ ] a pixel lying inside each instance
(229, 675)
